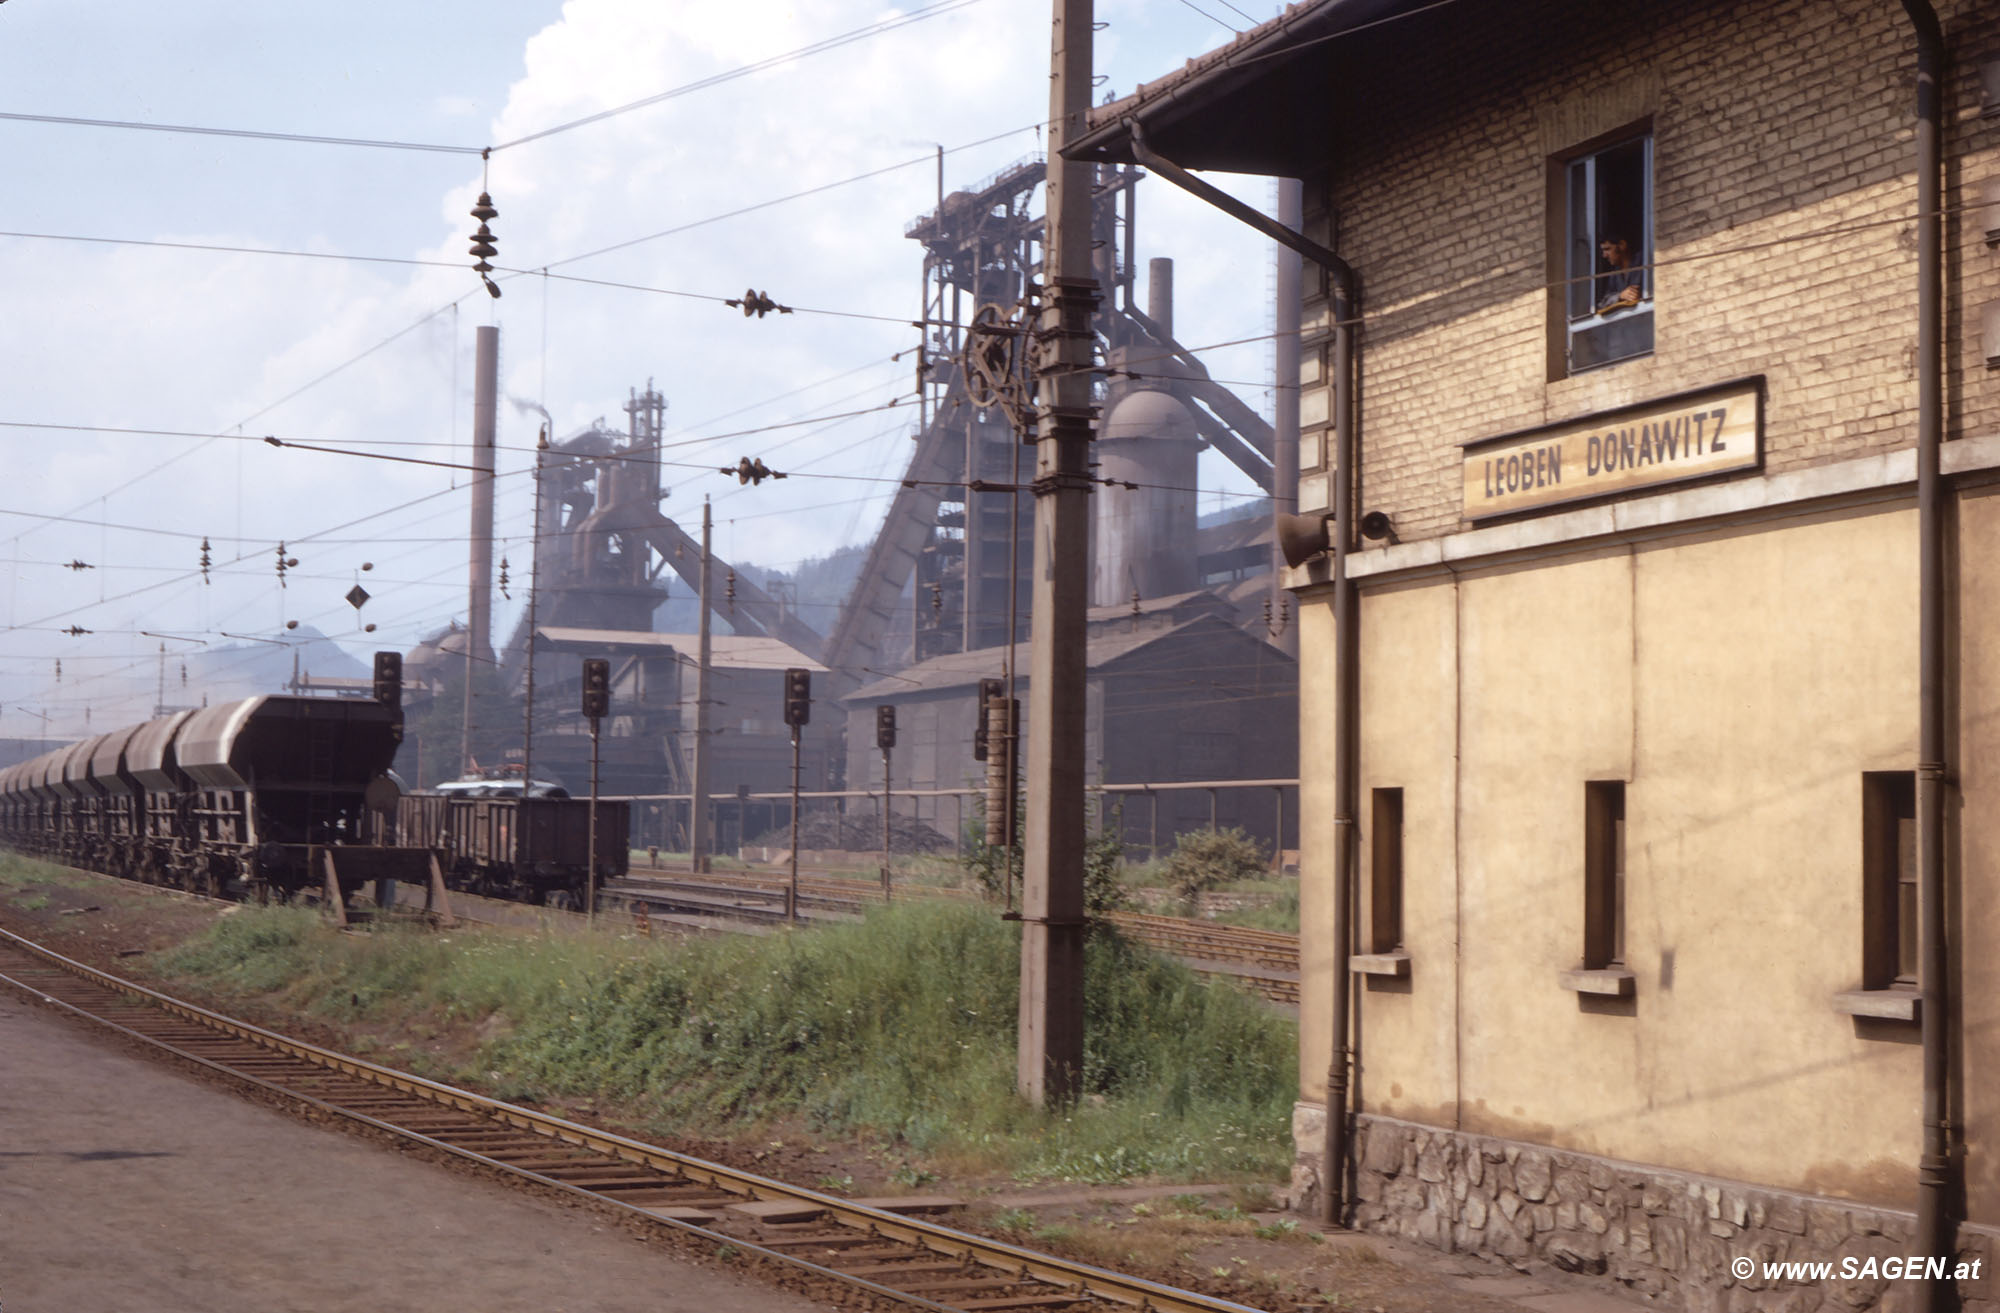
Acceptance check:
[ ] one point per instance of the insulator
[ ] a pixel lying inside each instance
(483, 243)
(484, 210)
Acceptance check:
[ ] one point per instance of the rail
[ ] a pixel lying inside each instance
(879, 1247)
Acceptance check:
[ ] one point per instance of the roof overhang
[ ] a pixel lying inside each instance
(1259, 104)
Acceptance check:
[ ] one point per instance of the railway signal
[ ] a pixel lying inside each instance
(798, 697)
(798, 711)
(885, 739)
(988, 690)
(597, 705)
(596, 687)
(389, 678)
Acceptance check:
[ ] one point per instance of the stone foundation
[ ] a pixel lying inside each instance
(1654, 1232)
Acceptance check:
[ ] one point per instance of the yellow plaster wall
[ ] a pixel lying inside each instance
(1741, 682)
(1775, 666)
(1972, 844)
(1546, 679)
(1316, 839)
(1409, 673)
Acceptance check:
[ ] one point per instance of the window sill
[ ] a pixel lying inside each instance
(1380, 964)
(1610, 982)
(1881, 1004)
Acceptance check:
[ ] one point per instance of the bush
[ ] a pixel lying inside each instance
(992, 867)
(1104, 862)
(1208, 859)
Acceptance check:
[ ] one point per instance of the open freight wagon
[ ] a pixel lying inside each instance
(535, 849)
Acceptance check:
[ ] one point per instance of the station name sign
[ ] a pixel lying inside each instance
(1690, 436)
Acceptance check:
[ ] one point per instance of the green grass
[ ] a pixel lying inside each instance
(18, 872)
(899, 1029)
(1282, 913)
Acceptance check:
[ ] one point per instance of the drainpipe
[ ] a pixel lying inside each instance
(1934, 1167)
(1346, 301)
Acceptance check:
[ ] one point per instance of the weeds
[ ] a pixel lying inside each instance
(900, 1028)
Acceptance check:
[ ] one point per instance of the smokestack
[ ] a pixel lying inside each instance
(1160, 292)
(485, 398)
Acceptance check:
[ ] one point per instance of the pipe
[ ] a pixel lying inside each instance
(1285, 365)
(1346, 299)
(1934, 1166)
(1347, 695)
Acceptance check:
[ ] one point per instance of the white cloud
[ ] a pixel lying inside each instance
(171, 339)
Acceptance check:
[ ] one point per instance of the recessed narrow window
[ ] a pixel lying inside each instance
(1385, 875)
(1889, 879)
(1603, 874)
(1606, 253)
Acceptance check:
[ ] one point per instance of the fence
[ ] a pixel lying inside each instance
(661, 819)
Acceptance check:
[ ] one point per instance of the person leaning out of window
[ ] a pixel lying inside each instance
(1623, 286)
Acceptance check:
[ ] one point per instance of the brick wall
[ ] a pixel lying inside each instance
(1784, 202)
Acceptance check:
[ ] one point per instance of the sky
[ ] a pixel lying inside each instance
(139, 376)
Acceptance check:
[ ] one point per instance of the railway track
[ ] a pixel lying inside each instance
(882, 1248)
(1264, 961)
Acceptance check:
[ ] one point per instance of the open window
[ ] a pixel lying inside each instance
(1605, 230)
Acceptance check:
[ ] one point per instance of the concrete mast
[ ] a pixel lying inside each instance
(1051, 1018)
(698, 840)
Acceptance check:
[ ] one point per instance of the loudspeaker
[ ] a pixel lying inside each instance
(1302, 537)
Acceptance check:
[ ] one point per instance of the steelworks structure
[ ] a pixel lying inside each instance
(606, 553)
(953, 548)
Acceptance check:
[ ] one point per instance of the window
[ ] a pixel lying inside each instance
(1889, 880)
(1603, 874)
(1606, 253)
(1385, 876)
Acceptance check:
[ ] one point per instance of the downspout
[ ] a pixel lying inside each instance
(1346, 291)
(1934, 1167)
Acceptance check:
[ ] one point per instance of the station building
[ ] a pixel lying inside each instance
(1639, 383)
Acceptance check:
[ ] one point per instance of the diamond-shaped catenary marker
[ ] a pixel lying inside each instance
(356, 596)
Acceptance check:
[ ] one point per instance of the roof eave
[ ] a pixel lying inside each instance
(1250, 85)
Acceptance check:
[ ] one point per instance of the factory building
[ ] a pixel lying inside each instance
(1649, 688)
(1172, 686)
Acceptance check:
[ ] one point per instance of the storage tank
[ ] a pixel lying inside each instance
(1145, 538)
